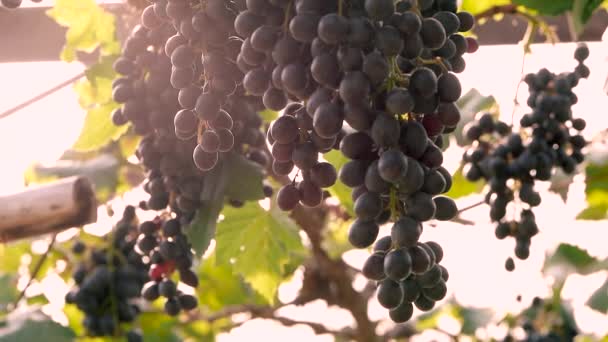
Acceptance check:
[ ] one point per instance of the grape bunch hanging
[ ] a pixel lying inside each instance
(109, 280)
(387, 70)
(374, 79)
(511, 162)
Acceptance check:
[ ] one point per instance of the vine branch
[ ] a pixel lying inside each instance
(36, 270)
(40, 96)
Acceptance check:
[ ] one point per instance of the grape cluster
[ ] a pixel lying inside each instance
(368, 63)
(511, 162)
(409, 275)
(163, 242)
(12, 4)
(109, 279)
(386, 69)
(180, 77)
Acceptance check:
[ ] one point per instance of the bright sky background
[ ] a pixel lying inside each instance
(41, 132)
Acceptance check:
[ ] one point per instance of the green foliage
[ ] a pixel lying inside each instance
(98, 129)
(547, 7)
(34, 326)
(158, 327)
(470, 104)
(478, 6)
(220, 286)
(244, 178)
(560, 184)
(582, 10)
(462, 187)
(339, 190)
(202, 228)
(236, 178)
(89, 27)
(258, 243)
(470, 318)
(8, 289)
(599, 299)
(569, 259)
(597, 192)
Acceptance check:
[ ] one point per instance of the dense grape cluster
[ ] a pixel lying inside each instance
(180, 89)
(366, 63)
(386, 69)
(168, 249)
(108, 279)
(374, 79)
(511, 162)
(12, 4)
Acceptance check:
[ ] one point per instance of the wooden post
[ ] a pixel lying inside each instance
(48, 208)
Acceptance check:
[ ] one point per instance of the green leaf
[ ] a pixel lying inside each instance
(582, 11)
(473, 318)
(569, 259)
(596, 189)
(89, 27)
(462, 187)
(560, 184)
(339, 190)
(11, 254)
(599, 299)
(470, 104)
(268, 115)
(547, 7)
(244, 178)
(34, 326)
(8, 289)
(258, 243)
(478, 6)
(202, 227)
(220, 286)
(98, 129)
(158, 327)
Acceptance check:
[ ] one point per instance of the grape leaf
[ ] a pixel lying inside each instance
(470, 104)
(243, 178)
(339, 190)
(98, 129)
(582, 11)
(478, 6)
(560, 184)
(547, 7)
(569, 259)
(89, 27)
(32, 325)
(158, 327)
(258, 243)
(220, 286)
(202, 228)
(599, 299)
(462, 187)
(8, 289)
(596, 190)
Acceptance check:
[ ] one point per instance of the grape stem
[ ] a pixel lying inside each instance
(40, 96)
(472, 206)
